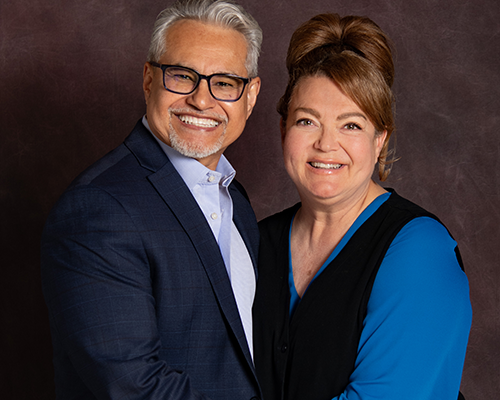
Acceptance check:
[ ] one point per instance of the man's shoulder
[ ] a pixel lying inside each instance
(129, 162)
(102, 168)
(118, 180)
(97, 187)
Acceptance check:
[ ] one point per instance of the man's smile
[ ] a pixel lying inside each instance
(200, 122)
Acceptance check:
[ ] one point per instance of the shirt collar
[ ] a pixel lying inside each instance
(192, 171)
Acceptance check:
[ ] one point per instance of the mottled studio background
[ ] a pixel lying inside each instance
(70, 91)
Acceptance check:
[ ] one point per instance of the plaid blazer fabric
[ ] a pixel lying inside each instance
(139, 301)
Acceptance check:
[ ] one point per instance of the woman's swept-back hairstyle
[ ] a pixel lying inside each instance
(356, 54)
(222, 13)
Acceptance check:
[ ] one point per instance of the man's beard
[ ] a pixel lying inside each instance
(192, 149)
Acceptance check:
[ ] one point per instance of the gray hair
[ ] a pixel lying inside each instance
(219, 12)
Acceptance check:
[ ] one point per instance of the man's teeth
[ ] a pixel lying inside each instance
(325, 166)
(202, 122)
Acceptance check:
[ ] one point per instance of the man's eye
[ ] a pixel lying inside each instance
(223, 84)
(180, 77)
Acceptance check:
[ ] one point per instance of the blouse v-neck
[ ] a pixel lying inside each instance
(367, 213)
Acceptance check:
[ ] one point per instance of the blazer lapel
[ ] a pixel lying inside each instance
(246, 222)
(179, 199)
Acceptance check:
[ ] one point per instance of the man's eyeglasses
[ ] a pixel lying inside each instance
(182, 80)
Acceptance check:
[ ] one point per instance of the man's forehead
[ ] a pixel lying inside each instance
(207, 48)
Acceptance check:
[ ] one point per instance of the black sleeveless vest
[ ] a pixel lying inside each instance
(312, 355)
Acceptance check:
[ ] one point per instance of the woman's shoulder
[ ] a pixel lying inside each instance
(423, 255)
(279, 220)
(416, 224)
(425, 230)
(400, 204)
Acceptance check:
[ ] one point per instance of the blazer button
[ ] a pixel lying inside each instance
(284, 348)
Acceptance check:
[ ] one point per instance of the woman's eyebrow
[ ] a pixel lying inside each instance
(308, 110)
(350, 115)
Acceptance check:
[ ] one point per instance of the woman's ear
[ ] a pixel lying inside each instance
(282, 130)
(380, 140)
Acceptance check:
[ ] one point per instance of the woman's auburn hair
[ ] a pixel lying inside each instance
(356, 55)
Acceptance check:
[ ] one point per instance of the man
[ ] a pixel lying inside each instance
(148, 258)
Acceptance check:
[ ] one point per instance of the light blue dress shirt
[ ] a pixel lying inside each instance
(211, 191)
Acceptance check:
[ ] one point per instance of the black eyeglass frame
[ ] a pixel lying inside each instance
(163, 67)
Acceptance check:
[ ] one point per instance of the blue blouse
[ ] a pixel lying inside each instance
(418, 317)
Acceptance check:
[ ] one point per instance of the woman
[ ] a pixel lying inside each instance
(361, 293)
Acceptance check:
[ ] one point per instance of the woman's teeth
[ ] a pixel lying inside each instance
(325, 166)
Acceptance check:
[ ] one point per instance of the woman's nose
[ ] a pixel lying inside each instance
(328, 140)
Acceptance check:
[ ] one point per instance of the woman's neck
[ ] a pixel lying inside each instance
(318, 216)
(318, 227)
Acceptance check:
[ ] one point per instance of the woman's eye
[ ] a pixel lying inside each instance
(352, 126)
(305, 122)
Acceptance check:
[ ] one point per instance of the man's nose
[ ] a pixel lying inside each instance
(201, 98)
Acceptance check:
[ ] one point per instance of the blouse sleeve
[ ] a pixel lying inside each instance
(418, 320)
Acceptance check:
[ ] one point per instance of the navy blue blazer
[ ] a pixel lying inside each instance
(139, 300)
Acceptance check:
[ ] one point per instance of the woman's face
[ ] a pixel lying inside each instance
(329, 145)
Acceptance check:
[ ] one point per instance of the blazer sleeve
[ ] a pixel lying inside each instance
(97, 286)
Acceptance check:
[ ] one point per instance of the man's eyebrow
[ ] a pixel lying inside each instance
(218, 72)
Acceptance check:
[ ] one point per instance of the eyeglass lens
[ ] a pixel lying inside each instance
(183, 81)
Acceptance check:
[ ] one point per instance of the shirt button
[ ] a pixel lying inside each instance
(211, 178)
(213, 216)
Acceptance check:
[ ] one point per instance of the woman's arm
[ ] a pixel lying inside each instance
(418, 320)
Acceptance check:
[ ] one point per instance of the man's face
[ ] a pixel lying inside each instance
(196, 124)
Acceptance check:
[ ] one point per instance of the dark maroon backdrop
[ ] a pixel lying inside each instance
(70, 90)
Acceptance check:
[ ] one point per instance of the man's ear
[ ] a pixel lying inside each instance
(252, 93)
(147, 80)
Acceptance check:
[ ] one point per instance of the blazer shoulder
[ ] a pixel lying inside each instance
(137, 157)
(101, 166)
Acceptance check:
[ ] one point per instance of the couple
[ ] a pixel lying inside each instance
(149, 259)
